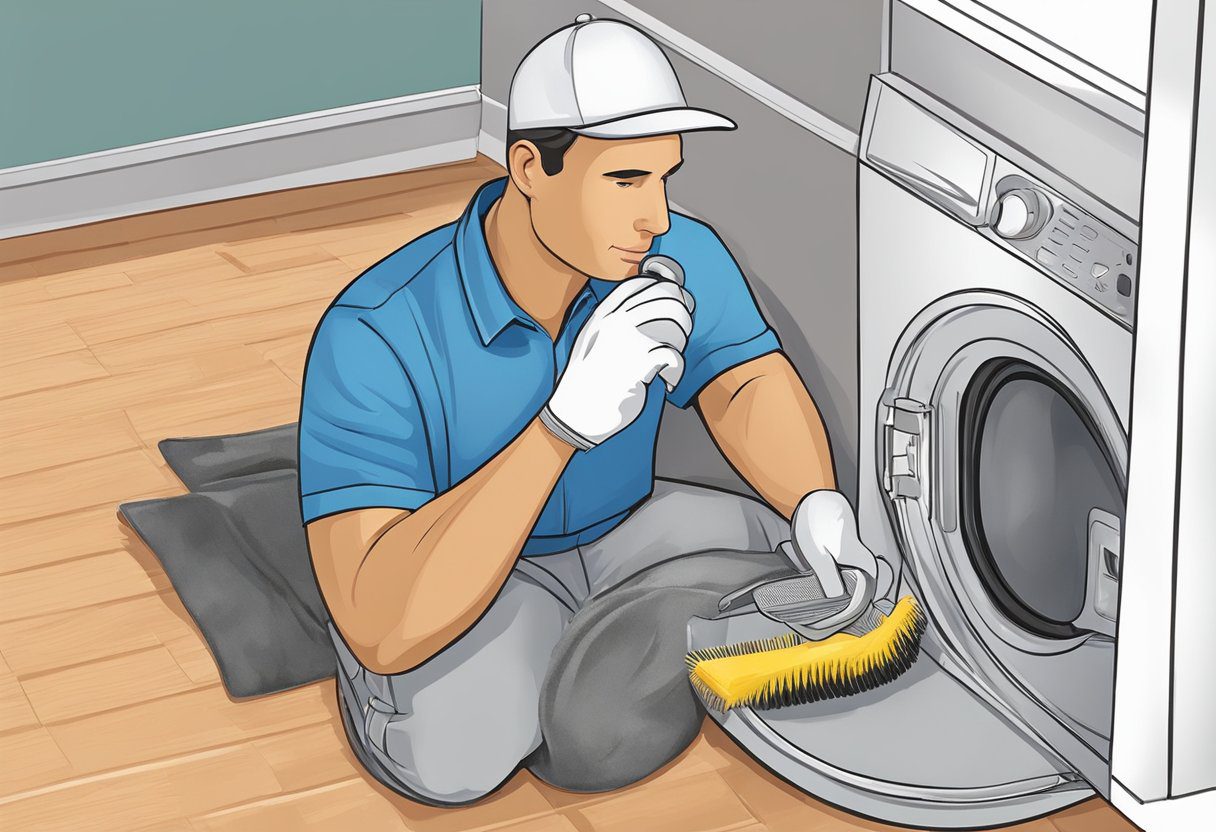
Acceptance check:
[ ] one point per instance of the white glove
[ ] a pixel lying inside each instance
(639, 330)
(824, 538)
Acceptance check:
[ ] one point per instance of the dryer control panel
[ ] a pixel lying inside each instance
(957, 170)
(1077, 249)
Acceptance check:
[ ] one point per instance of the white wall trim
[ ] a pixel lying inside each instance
(1162, 741)
(369, 139)
(492, 138)
(753, 85)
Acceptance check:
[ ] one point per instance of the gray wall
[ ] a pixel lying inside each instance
(79, 76)
(782, 198)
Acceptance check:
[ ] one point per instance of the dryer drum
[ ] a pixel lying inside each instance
(1032, 466)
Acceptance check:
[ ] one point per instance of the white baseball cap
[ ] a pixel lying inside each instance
(605, 79)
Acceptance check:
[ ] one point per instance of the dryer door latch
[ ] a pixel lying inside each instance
(905, 437)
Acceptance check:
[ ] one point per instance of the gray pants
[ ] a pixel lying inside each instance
(454, 728)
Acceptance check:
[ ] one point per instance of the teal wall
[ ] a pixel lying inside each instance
(78, 76)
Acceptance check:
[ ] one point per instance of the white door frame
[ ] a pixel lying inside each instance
(1164, 744)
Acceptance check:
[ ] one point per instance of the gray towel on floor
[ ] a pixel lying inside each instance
(615, 705)
(235, 551)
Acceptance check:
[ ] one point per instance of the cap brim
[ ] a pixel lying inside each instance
(682, 120)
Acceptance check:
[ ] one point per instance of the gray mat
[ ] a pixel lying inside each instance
(235, 551)
(615, 706)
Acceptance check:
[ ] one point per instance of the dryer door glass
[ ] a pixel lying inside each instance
(1033, 471)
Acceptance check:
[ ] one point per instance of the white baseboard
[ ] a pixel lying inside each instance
(371, 139)
(492, 139)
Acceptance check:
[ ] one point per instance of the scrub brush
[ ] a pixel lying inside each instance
(841, 642)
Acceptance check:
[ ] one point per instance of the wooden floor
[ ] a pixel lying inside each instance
(112, 716)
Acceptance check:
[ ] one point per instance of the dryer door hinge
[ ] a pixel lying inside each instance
(905, 438)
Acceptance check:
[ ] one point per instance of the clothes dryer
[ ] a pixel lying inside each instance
(995, 355)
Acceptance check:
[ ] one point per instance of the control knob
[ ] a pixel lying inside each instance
(1020, 213)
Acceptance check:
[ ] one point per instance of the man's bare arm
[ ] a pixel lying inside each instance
(764, 421)
(402, 585)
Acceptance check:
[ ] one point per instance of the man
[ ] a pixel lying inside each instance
(480, 411)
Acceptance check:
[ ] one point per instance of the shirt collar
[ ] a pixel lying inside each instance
(488, 299)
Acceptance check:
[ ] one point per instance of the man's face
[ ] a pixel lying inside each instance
(601, 212)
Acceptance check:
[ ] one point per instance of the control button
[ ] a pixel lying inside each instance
(1078, 250)
(1088, 233)
(1015, 216)
(1127, 258)
(1101, 284)
(1124, 286)
(1059, 236)
(1098, 269)
(1068, 271)
(1020, 214)
(1047, 256)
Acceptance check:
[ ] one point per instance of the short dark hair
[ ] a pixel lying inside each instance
(552, 142)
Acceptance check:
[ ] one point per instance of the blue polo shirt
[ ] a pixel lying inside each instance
(424, 368)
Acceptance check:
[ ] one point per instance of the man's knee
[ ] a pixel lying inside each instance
(460, 768)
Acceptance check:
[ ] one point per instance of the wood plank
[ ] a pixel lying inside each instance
(98, 395)
(288, 354)
(194, 658)
(72, 585)
(61, 537)
(239, 421)
(30, 759)
(694, 804)
(105, 684)
(259, 387)
(1093, 815)
(20, 344)
(89, 634)
(520, 799)
(548, 823)
(108, 480)
(254, 262)
(50, 371)
(119, 301)
(196, 342)
(177, 269)
(309, 757)
(271, 289)
(17, 271)
(67, 284)
(351, 804)
(185, 238)
(22, 292)
(16, 712)
(267, 325)
(184, 722)
(143, 316)
(144, 796)
(71, 440)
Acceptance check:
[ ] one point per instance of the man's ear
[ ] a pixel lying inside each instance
(524, 167)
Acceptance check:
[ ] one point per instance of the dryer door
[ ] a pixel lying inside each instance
(924, 750)
(1003, 465)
